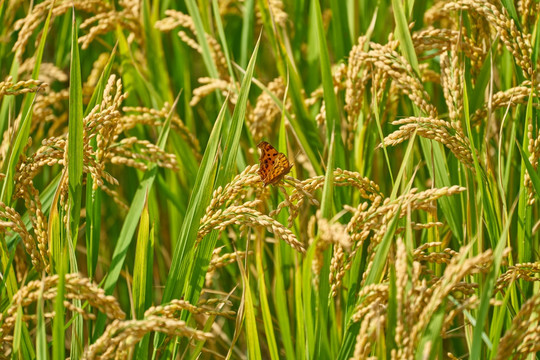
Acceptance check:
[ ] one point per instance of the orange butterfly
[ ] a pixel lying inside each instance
(273, 165)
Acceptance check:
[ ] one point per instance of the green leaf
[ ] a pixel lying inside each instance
(252, 335)
(280, 303)
(75, 130)
(535, 179)
(533, 174)
(41, 334)
(142, 267)
(155, 57)
(322, 331)
(247, 31)
(309, 317)
(333, 118)
(17, 333)
(202, 40)
(265, 308)
(142, 276)
(58, 343)
(75, 149)
(222, 38)
(403, 34)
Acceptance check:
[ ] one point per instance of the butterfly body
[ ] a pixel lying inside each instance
(273, 165)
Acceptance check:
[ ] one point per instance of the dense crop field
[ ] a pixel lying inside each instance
(145, 214)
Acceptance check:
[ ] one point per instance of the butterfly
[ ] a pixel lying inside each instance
(273, 165)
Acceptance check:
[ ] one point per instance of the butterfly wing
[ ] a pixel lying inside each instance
(279, 170)
(266, 161)
(273, 165)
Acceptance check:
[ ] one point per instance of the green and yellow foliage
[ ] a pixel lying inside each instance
(134, 222)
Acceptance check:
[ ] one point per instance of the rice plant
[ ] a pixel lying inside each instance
(254, 179)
